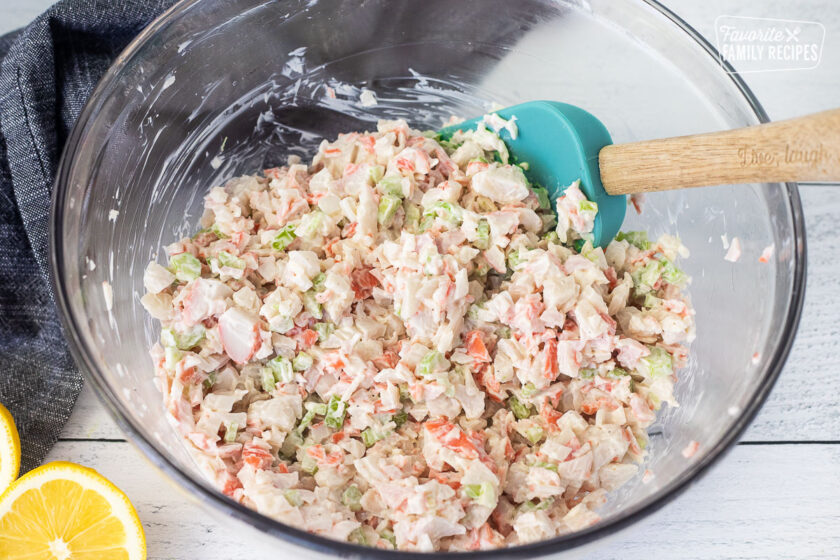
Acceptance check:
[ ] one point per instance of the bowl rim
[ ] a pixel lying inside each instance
(201, 491)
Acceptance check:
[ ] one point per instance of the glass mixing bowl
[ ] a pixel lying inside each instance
(213, 89)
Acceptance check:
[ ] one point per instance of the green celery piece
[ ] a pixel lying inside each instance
(185, 266)
(388, 206)
(336, 410)
(284, 238)
(519, 409)
(352, 497)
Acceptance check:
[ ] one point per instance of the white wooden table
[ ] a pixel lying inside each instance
(776, 495)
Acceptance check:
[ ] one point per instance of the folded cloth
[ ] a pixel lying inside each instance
(48, 71)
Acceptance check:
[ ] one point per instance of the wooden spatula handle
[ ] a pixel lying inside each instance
(802, 149)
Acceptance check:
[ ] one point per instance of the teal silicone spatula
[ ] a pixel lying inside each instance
(562, 143)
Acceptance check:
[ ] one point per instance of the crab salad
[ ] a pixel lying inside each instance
(405, 344)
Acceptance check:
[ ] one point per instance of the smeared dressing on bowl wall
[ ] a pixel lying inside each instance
(245, 75)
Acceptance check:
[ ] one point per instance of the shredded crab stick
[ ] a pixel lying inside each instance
(403, 345)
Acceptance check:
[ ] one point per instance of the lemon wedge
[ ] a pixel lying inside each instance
(9, 449)
(63, 511)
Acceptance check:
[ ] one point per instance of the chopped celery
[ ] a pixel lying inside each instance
(284, 238)
(352, 497)
(586, 373)
(311, 304)
(636, 238)
(210, 381)
(375, 173)
(405, 394)
(217, 232)
(520, 410)
(291, 444)
(530, 505)
(449, 211)
(308, 465)
(293, 497)
(524, 165)
(302, 362)
(578, 245)
(483, 493)
(268, 380)
(473, 311)
(389, 536)
(226, 259)
(529, 389)
(671, 273)
(185, 267)
(230, 432)
(357, 536)
(587, 206)
(391, 185)
(282, 369)
(412, 217)
(658, 363)
(400, 418)
(542, 196)
(534, 434)
(336, 409)
(591, 253)
(651, 301)
(547, 466)
(388, 206)
(192, 338)
(182, 341)
(429, 362)
(318, 407)
(503, 332)
(168, 338)
(426, 223)
(619, 372)
(172, 356)
(309, 224)
(646, 277)
(515, 258)
(307, 419)
(318, 282)
(324, 330)
(482, 233)
(369, 436)
(552, 237)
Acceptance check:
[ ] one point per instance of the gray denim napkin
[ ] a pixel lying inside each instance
(48, 71)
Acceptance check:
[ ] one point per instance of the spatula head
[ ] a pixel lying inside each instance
(561, 142)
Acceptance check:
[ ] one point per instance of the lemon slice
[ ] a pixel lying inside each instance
(9, 449)
(63, 511)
